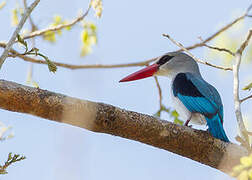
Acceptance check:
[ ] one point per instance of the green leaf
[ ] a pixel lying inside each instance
(57, 19)
(243, 175)
(14, 17)
(23, 42)
(157, 114)
(50, 36)
(85, 50)
(11, 159)
(246, 161)
(92, 27)
(174, 113)
(51, 66)
(250, 174)
(84, 36)
(248, 87)
(178, 121)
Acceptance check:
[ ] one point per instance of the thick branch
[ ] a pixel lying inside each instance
(98, 117)
(17, 30)
(237, 101)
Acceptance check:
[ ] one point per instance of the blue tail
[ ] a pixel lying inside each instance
(216, 128)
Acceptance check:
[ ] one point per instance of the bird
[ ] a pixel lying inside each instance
(193, 98)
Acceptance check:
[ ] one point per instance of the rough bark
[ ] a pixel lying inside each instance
(195, 144)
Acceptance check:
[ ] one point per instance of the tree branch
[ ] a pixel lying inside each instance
(143, 63)
(14, 53)
(195, 58)
(218, 32)
(41, 32)
(87, 66)
(218, 48)
(195, 144)
(159, 93)
(17, 30)
(237, 101)
(33, 26)
(58, 27)
(246, 98)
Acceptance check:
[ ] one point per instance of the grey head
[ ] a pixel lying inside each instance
(170, 64)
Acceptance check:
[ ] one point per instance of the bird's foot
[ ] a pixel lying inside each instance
(187, 122)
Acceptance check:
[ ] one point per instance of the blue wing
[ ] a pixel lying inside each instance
(200, 97)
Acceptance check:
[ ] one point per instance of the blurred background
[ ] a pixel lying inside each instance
(128, 31)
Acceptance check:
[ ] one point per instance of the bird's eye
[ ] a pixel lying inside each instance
(164, 59)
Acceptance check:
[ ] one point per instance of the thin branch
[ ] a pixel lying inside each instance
(218, 48)
(246, 98)
(245, 43)
(14, 54)
(33, 26)
(88, 66)
(247, 12)
(195, 144)
(143, 63)
(41, 32)
(71, 66)
(16, 32)
(216, 33)
(195, 58)
(159, 93)
(58, 27)
(237, 101)
(249, 133)
(11, 159)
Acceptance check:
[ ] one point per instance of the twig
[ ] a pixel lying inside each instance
(195, 58)
(58, 27)
(159, 93)
(217, 48)
(249, 133)
(33, 26)
(220, 49)
(17, 30)
(245, 43)
(217, 33)
(237, 101)
(246, 98)
(11, 159)
(249, 8)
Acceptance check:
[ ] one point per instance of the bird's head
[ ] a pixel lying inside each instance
(169, 65)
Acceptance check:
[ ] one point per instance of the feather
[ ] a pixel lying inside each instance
(200, 97)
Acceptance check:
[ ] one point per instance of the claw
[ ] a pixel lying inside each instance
(187, 122)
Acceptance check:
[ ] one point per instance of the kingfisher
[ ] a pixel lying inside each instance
(193, 98)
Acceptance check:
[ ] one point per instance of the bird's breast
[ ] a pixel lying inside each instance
(185, 114)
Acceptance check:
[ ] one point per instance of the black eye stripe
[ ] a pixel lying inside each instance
(164, 59)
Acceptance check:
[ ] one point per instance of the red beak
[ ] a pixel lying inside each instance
(143, 73)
